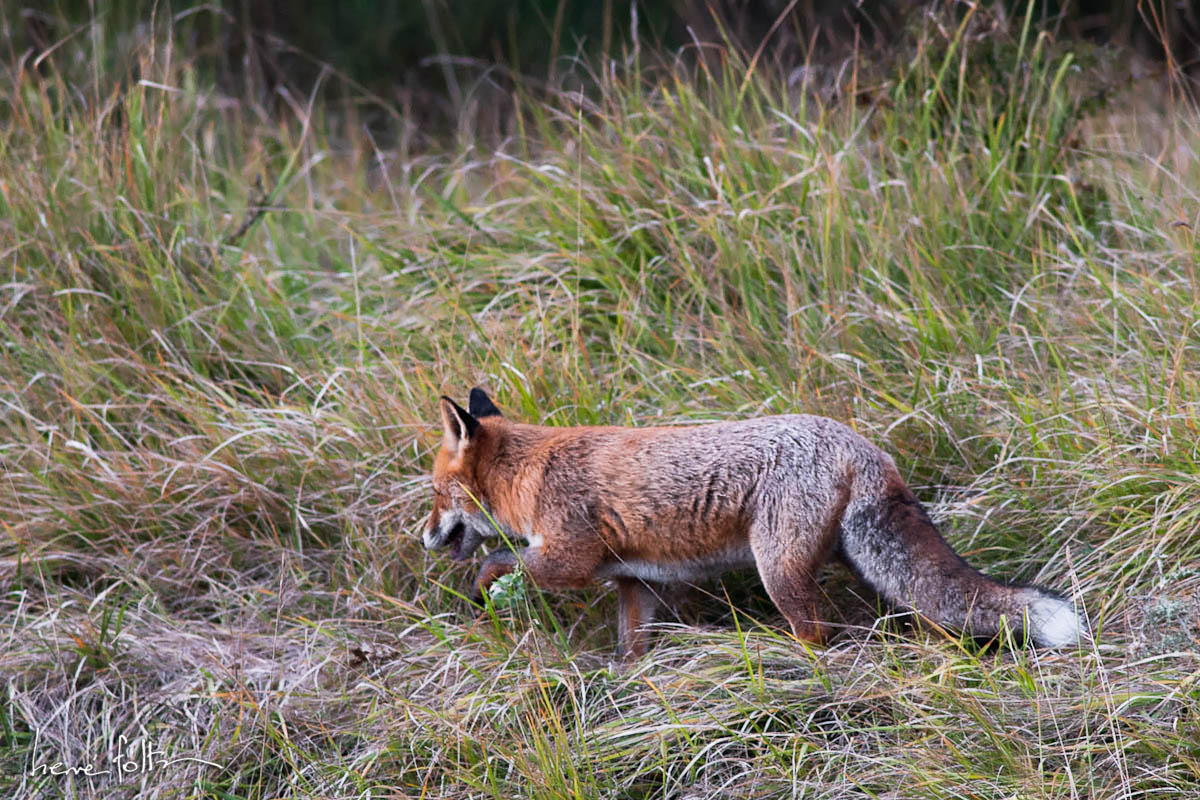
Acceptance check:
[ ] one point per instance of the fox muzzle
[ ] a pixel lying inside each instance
(459, 531)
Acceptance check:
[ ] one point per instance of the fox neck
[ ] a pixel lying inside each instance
(505, 483)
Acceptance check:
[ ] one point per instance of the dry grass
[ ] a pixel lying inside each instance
(214, 446)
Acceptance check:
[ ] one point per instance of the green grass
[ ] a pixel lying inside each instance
(215, 441)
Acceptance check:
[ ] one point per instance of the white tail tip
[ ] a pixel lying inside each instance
(1053, 622)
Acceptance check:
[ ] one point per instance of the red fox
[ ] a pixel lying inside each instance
(782, 494)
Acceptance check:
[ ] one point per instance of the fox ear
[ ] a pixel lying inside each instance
(458, 426)
(481, 405)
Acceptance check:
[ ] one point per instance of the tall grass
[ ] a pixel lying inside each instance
(217, 404)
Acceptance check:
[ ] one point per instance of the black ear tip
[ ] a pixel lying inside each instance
(466, 419)
(481, 405)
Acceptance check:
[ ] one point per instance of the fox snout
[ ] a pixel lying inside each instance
(457, 530)
(434, 535)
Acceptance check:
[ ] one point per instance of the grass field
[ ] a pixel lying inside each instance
(218, 408)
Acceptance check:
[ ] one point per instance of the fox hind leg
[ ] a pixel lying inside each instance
(791, 542)
(794, 590)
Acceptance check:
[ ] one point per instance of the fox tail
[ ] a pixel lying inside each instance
(889, 540)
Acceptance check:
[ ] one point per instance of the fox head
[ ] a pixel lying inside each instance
(459, 519)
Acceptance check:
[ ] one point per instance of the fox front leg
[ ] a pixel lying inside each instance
(573, 569)
(637, 604)
(495, 565)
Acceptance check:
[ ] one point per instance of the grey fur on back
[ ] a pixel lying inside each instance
(796, 475)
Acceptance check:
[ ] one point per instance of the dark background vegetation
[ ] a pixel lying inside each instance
(428, 55)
